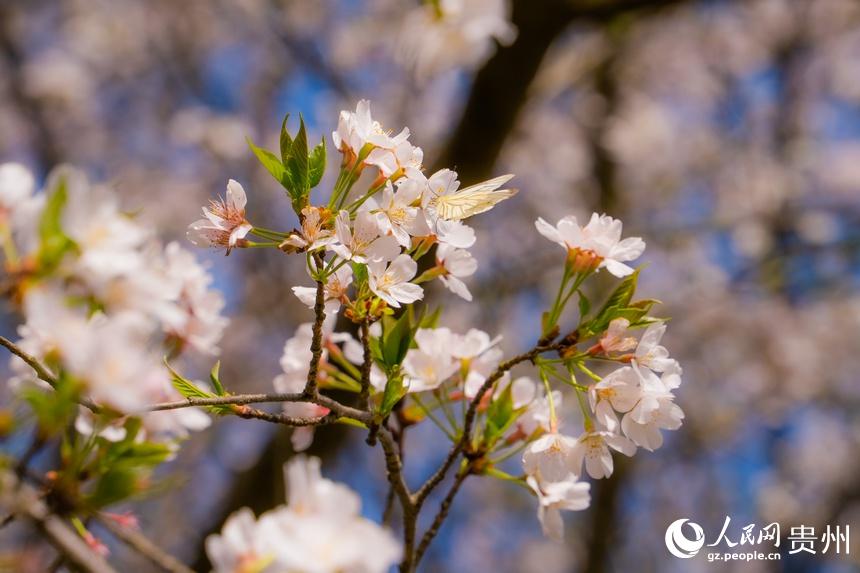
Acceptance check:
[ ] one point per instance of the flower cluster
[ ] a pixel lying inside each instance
(107, 308)
(363, 250)
(319, 529)
(99, 296)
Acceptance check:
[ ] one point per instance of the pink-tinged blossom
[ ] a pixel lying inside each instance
(360, 240)
(615, 338)
(313, 235)
(224, 223)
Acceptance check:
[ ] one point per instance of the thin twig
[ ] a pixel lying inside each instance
(240, 399)
(143, 545)
(42, 372)
(25, 501)
(398, 484)
(249, 413)
(469, 420)
(444, 508)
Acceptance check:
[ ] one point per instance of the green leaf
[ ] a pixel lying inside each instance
(359, 274)
(272, 164)
(116, 485)
(297, 166)
(611, 309)
(430, 320)
(394, 392)
(500, 415)
(584, 305)
(396, 339)
(54, 409)
(53, 242)
(316, 164)
(189, 389)
(286, 141)
(623, 293)
(216, 381)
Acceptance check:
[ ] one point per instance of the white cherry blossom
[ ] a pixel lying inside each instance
(390, 281)
(651, 354)
(432, 363)
(568, 495)
(599, 243)
(335, 290)
(399, 213)
(593, 449)
(551, 458)
(456, 264)
(618, 391)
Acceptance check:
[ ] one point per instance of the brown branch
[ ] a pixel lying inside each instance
(144, 546)
(42, 372)
(469, 420)
(249, 413)
(366, 365)
(23, 500)
(395, 478)
(316, 338)
(442, 514)
(341, 410)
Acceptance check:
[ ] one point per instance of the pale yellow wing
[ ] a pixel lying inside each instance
(474, 199)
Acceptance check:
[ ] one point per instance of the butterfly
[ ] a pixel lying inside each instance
(472, 200)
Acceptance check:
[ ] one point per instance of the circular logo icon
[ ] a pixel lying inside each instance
(679, 544)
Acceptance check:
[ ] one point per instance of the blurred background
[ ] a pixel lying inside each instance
(726, 133)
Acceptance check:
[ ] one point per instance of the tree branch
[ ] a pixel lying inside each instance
(21, 499)
(469, 420)
(366, 365)
(144, 546)
(395, 477)
(42, 372)
(341, 410)
(442, 514)
(316, 338)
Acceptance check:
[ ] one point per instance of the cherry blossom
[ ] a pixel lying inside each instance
(432, 363)
(390, 281)
(224, 223)
(597, 245)
(336, 289)
(551, 458)
(455, 264)
(361, 241)
(592, 448)
(568, 495)
(314, 233)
